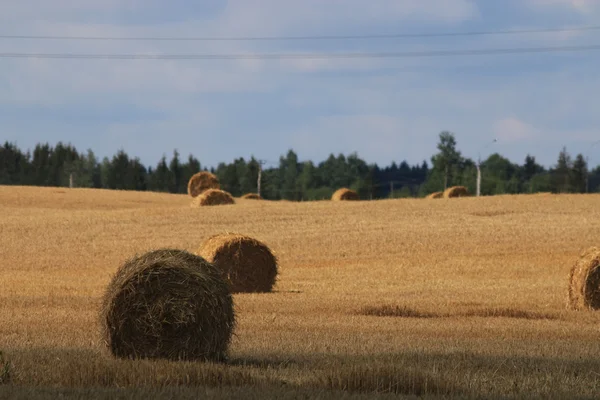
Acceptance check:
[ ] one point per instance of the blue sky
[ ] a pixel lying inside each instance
(384, 109)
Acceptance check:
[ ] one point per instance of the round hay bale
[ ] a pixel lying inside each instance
(455, 191)
(345, 194)
(435, 195)
(252, 196)
(213, 197)
(201, 182)
(167, 304)
(247, 265)
(584, 281)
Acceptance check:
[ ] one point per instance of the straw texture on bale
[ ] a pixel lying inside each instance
(584, 281)
(247, 264)
(213, 197)
(435, 195)
(201, 182)
(252, 196)
(167, 304)
(345, 194)
(455, 191)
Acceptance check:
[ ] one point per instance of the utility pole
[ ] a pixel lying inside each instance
(587, 174)
(71, 180)
(479, 177)
(260, 164)
(479, 167)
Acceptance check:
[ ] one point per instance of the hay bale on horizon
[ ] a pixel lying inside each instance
(345, 194)
(584, 281)
(455, 191)
(167, 304)
(435, 195)
(252, 196)
(247, 264)
(213, 197)
(202, 181)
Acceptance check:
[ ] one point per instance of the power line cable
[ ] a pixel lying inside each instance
(295, 56)
(315, 37)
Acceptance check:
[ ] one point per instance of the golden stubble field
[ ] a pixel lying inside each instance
(461, 297)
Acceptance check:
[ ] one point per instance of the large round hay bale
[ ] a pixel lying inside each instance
(201, 182)
(345, 194)
(213, 197)
(435, 195)
(168, 304)
(252, 196)
(247, 264)
(455, 191)
(584, 281)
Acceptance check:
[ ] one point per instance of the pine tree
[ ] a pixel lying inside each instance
(176, 175)
(579, 174)
(290, 172)
(562, 173)
(161, 177)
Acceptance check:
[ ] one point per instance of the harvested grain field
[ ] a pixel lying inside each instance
(463, 297)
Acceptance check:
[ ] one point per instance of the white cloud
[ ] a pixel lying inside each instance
(512, 129)
(583, 6)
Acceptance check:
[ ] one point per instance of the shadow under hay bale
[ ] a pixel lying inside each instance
(435, 195)
(252, 196)
(167, 304)
(201, 182)
(584, 281)
(247, 264)
(345, 194)
(455, 191)
(213, 197)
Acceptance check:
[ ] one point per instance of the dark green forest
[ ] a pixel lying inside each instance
(292, 179)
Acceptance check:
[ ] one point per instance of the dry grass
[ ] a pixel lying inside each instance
(488, 312)
(247, 264)
(345, 194)
(496, 288)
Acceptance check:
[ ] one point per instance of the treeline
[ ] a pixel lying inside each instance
(501, 176)
(292, 179)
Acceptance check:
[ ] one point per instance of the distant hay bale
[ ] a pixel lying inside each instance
(201, 182)
(252, 196)
(435, 195)
(584, 281)
(345, 194)
(455, 191)
(168, 304)
(247, 264)
(213, 197)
